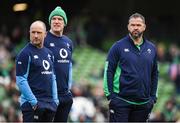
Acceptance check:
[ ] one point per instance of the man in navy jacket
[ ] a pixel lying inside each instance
(62, 47)
(35, 78)
(131, 75)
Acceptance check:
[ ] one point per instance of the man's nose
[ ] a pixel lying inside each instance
(135, 27)
(56, 20)
(36, 34)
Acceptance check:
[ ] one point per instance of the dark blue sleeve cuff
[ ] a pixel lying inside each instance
(111, 96)
(154, 98)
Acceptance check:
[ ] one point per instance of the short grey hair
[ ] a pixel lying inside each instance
(137, 15)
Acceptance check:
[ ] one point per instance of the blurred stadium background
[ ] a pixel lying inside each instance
(93, 25)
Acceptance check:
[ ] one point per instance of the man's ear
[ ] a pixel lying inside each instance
(45, 34)
(144, 27)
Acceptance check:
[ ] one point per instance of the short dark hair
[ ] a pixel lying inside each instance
(137, 15)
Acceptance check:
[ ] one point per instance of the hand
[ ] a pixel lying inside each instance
(57, 102)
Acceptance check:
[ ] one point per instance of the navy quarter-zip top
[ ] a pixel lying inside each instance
(35, 76)
(131, 73)
(62, 48)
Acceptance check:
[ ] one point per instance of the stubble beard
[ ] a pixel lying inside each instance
(137, 35)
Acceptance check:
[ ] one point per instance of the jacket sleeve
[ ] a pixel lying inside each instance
(109, 71)
(54, 90)
(154, 79)
(22, 71)
(70, 82)
(54, 83)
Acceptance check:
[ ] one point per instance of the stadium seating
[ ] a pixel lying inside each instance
(88, 64)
